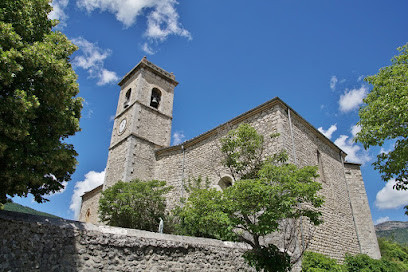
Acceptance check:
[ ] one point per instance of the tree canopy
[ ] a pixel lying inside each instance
(385, 117)
(38, 104)
(135, 204)
(273, 200)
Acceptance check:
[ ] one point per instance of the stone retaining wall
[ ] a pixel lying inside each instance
(36, 243)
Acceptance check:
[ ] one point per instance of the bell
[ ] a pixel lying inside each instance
(155, 102)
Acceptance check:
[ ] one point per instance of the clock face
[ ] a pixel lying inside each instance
(122, 125)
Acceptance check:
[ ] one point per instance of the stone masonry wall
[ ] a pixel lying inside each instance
(36, 243)
(337, 235)
(362, 214)
(204, 158)
(89, 206)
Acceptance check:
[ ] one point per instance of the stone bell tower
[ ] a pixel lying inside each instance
(142, 122)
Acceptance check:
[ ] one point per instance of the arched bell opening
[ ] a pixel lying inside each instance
(155, 98)
(127, 98)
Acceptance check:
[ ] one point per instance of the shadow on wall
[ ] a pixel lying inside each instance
(33, 243)
(37, 243)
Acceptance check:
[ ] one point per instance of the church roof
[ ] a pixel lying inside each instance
(242, 117)
(144, 63)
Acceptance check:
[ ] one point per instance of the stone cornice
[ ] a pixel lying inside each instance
(144, 63)
(136, 136)
(92, 191)
(146, 107)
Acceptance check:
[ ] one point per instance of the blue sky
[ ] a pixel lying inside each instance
(230, 56)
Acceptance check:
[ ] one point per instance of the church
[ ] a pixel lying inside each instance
(140, 148)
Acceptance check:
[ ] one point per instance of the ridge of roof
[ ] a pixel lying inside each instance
(268, 104)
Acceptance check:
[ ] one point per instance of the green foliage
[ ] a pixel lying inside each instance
(394, 259)
(363, 263)
(38, 107)
(385, 117)
(193, 184)
(203, 215)
(14, 207)
(136, 204)
(268, 258)
(252, 208)
(398, 235)
(316, 262)
(394, 252)
(242, 149)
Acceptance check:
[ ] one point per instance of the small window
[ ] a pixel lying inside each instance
(87, 215)
(225, 182)
(155, 98)
(127, 98)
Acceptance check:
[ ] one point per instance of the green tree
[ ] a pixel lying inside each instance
(38, 104)
(385, 117)
(242, 149)
(394, 252)
(136, 204)
(274, 200)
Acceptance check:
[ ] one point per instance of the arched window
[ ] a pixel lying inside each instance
(127, 98)
(225, 182)
(155, 98)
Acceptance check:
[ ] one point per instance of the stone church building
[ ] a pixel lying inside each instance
(140, 148)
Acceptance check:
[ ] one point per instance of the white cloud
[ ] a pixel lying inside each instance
(328, 133)
(92, 59)
(333, 82)
(385, 151)
(178, 137)
(107, 77)
(381, 220)
(355, 129)
(354, 152)
(360, 78)
(389, 198)
(163, 21)
(92, 180)
(58, 12)
(147, 49)
(162, 17)
(111, 118)
(64, 184)
(352, 99)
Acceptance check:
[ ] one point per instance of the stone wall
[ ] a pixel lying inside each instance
(337, 235)
(90, 204)
(202, 157)
(36, 243)
(361, 208)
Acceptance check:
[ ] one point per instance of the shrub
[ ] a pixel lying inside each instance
(136, 204)
(363, 263)
(316, 262)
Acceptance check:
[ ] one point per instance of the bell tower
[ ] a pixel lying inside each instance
(142, 122)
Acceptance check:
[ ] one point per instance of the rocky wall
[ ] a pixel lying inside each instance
(36, 243)
(362, 213)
